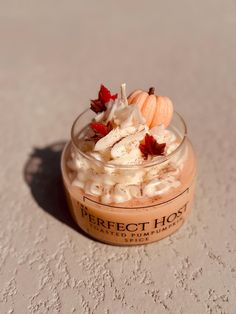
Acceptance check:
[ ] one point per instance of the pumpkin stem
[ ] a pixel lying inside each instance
(151, 91)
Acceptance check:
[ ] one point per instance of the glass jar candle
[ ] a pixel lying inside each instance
(155, 210)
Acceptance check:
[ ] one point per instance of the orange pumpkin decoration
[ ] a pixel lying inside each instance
(155, 109)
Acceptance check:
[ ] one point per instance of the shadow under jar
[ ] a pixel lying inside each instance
(160, 192)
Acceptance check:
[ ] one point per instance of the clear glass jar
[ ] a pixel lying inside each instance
(150, 213)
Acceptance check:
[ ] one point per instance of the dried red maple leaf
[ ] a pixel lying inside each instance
(97, 106)
(149, 146)
(100, 128)
(104, 96)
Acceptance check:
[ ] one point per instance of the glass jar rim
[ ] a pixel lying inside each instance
(147, 164)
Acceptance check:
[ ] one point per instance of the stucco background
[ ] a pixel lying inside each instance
(53, 57)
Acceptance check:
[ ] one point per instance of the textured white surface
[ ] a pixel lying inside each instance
(53, 56)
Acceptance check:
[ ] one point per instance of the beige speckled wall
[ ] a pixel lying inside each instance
(53, 57)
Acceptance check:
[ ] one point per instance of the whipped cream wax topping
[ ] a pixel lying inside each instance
(114, 184)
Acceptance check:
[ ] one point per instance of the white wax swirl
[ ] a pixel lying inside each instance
(114, 184)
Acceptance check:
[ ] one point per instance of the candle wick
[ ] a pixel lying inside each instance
(123, 94)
